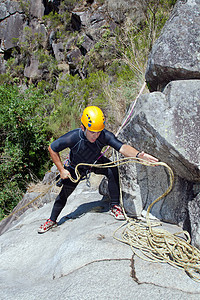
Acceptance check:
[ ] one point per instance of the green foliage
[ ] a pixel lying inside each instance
(48, 63)
(134, 43)
(31, 47)
(32, 41)
(156, 14)
(106, 34)
(14, 72)
(61, 22)
(24, 140)
(25, 5)
(10, 195)
(72, 96)
(54, 19)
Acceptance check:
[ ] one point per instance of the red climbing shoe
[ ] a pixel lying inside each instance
(46, 226)
(117, 213)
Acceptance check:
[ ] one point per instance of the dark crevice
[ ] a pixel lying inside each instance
(12, 14)
(90, 263)
(133, 272)
(135, 278)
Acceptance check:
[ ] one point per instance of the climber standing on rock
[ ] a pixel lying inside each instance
(86, 144)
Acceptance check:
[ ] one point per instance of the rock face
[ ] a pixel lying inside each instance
(174, 115)
(11, 24)
(37, 8)
(90, 20)
(78, 258)
(167, 125)
(118, 10)
(175, 55)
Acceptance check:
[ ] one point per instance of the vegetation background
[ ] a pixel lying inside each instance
(32, 114)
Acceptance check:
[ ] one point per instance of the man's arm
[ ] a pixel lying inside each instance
(57, 161)
(129, 151)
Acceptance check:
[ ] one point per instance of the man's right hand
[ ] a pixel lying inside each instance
(64, 174)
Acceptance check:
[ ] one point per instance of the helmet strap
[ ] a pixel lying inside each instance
(85, 132)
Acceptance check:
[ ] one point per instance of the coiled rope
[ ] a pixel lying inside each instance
(158, 245)
(155, 244)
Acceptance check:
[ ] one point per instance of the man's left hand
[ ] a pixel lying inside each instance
(147, 157)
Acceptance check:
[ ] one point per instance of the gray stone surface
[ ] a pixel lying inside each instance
(10, 30)
(58, 50)
(175, 54)
(8, 7)
(32, 69)
(168, 125)
(120, 9)
(37, 8)
(80, 259)
(194, 212)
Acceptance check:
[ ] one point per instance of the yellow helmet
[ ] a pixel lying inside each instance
(93, 118)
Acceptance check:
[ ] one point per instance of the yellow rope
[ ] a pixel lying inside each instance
(158, 245)
(78, 176)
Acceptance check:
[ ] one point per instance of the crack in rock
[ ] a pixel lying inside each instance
(133, 272)
(11, 14)
(135, 278)
(90, 263)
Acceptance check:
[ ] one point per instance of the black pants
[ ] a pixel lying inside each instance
(68, 187)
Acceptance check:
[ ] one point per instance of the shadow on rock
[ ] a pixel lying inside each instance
(96, 207)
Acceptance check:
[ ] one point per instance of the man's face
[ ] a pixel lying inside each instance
(91, 135)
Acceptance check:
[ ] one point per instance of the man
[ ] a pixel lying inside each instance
(85, 145)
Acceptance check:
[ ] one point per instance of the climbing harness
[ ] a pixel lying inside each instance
(88, 183)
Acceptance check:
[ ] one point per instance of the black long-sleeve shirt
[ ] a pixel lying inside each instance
(83, 151)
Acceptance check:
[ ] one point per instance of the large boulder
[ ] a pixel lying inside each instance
(78, 258)
(8, 7)
(32, 69)
(194, 212)
(119, 10)
(167, 125)
(37, 8)
(175, 55)
(11, 24)
(58, 50)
